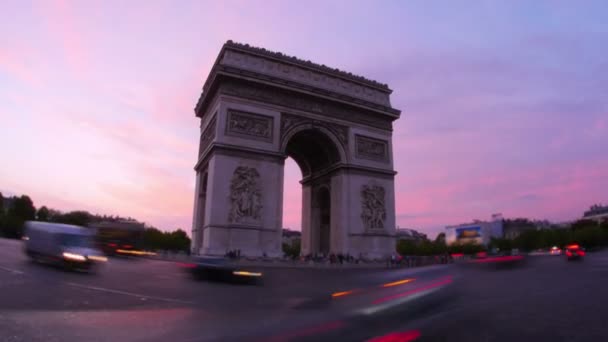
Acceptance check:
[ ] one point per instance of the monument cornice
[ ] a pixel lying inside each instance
(275, 68)
(290, 100)
(240, 151)
(306, 64)
(350, 168)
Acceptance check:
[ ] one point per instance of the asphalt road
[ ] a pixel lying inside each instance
(144, 300)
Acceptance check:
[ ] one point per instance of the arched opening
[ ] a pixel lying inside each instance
(314, 152)
(292, 196)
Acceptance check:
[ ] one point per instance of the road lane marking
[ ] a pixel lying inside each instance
(131, 294)
(11, 270)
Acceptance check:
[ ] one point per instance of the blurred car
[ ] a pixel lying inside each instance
(220, 269)
(69, 246)
(574, 252)
(555, 251)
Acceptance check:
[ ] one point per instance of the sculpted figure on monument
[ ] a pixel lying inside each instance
(249, 124)
(245, 195)
(373, 210)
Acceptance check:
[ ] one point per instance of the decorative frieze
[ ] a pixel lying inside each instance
(306, 76)
(249, 125)
(207, 136)
(267, 94)
(371, 148)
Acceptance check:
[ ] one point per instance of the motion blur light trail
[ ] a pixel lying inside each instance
(435, 285)
(342, 294)
(499, 259)
(407, 336)
(399, 282)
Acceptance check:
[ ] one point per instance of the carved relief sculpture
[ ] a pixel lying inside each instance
(249, 125)
(207, 136)
(370, 148)
(373, 209)
(245, 196)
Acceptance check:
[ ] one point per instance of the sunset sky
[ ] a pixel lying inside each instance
(504, 103)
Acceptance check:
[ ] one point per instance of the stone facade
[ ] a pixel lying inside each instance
(259, 107)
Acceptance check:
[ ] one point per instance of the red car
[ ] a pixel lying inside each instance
(574, 252)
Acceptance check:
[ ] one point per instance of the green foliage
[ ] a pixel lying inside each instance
(43, 214)
(1, 205)
(501, 244)
(419, 248)
(23, 209)
(11, 227)
(584, 232)
(292, 250)
(177, 240)
(582, 224)
(466, 248)
(78, 217)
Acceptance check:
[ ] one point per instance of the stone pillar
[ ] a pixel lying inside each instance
(306, 242)
(244, 206)
(195, 248)
(340, 219)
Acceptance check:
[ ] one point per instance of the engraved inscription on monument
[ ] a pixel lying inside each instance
(371, 148)
(249, 125)
(207, 136)
(306, 76)
(373, 209)
(245, 196)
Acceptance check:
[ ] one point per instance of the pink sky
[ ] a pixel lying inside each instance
(504, 103)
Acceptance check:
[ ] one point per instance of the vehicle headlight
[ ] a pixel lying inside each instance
(98, 258)
(74, 257)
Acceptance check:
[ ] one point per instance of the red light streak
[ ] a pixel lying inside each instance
(398, 337)
(440, 283)
(500, 259)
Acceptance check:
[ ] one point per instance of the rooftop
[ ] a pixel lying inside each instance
(242, 61)
(306, 63)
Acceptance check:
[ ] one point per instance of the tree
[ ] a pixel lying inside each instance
(23, 208)
(43, 214)
(501, 244)
(178, 240)
(292, 249)
(1, 204)
(440, 239)
(78, 218)
(153, 239)
(583, 224)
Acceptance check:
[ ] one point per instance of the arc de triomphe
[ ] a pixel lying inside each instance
(259, 107)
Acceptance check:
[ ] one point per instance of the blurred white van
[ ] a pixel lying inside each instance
(66, 245)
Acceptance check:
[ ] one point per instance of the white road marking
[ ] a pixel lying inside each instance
(131, 294)
(11, 270)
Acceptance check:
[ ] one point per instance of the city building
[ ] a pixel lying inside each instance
(479, 232)
(596, 212)
(410, 235)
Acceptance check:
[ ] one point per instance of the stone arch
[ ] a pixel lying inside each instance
(257, 108)
(341, 148)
